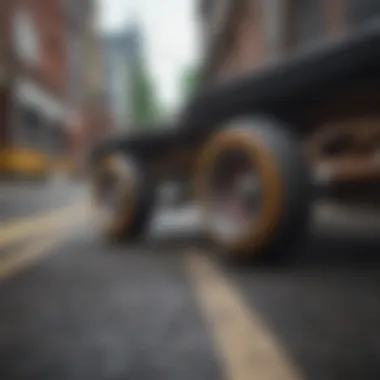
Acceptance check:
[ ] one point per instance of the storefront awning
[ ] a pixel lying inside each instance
(32, 95)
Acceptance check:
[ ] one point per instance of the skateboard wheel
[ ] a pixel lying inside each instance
(122, 201)
(254, 189)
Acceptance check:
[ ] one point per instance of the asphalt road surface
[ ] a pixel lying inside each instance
(166, 308)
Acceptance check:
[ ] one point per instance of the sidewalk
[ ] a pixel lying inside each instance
(24, 199)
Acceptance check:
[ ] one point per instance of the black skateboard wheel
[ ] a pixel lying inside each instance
(122, 200)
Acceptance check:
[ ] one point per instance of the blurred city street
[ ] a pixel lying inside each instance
(166, 308)
(138, 98)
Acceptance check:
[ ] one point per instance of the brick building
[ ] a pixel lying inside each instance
(87, 117)
(33, 82)
(49, 72)
(95, 106)
(242, 35)
(5, 65)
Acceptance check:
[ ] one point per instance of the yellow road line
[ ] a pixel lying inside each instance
(14, 231)
(246, 347)
(34, 251)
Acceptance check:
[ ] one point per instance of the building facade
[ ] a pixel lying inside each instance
(85, 87)
(120, 51)
(248, 35)
(244, 35)
(5, 80)
(76, 15)
(51, 94)
(95, 105)
(32, 97)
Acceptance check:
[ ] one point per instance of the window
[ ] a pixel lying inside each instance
(28, 130)
(273, 26)
(361, 11)
(75, 68)
(204, 7)
(26, 37)
(217, 14)
(310, 23)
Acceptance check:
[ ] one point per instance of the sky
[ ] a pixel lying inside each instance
(170, 31)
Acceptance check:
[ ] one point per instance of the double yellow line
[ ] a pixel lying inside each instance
(24, 241)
